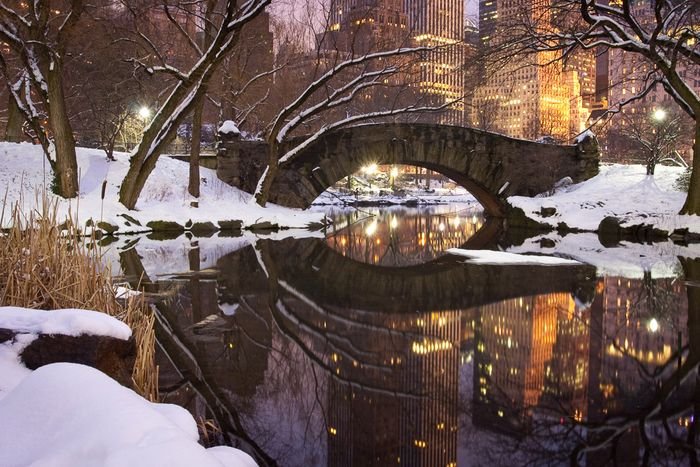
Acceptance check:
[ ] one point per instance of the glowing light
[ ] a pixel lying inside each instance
(370, 169)
(394, 172)
(394, 223)
(653, 325)
(144, 113)
(659, 115)
(371, 228)
(441, 227)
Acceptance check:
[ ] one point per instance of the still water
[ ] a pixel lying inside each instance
(372, 347)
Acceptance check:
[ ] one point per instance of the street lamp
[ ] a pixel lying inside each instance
(659, 115)
(144, 113)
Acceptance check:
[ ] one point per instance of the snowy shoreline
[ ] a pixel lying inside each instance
(620, 191)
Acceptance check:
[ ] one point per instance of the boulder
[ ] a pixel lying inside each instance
(112, 356)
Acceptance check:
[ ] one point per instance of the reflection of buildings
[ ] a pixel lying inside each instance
(392, 239)
(387, 384)
(642, 323)
(392, 396)
(534, 355)
(515, 343)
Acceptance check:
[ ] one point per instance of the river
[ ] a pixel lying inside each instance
(368, 345)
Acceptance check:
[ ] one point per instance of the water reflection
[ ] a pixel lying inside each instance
(399, 236)
(574, 369)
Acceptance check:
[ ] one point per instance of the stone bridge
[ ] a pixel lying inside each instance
(491, 166)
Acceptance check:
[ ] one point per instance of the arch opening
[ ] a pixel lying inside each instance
(398, 215)
(395, 184)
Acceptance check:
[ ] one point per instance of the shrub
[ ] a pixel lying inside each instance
(47, 266)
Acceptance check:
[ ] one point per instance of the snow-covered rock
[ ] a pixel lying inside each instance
(73, 415)
(229, 128)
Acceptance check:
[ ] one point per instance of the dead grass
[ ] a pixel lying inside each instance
(47, 266)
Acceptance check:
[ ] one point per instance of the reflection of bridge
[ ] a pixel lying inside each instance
(491, 166)
(329, 278)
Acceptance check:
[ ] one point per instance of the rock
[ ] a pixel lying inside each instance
(264, 227)
(112, 356)
(516, 218)
(108, 228)
(203, 229)
(165, 226)
(547, 212)
(130, 219)
(547, 243)
(609, 231)
(233, 225)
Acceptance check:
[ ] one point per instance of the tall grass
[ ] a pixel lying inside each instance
(44, 265)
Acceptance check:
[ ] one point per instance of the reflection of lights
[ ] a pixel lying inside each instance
(441, 227)
(394, 172)
(422, 348)
(371, 228)
(456, 221)
(475, 220)
(653, 325)
(394, 222)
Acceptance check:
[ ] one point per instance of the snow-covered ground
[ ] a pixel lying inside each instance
(24, 171)
(66, 414)
(622, 191)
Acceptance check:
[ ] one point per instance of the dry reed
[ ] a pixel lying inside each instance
(47, 266)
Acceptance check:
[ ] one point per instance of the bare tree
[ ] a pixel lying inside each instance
(648, 136)
(663, 33)
(189, 88)
(353, 77)
(37, 35)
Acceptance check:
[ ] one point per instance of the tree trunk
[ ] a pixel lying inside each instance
(13, 130)
(262, 193)
(66, 171)
(195, 148)
(692, 201)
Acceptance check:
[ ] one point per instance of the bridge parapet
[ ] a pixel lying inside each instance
(491, 166)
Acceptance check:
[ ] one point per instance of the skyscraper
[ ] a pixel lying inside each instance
(359, 26)
(440, 24)
(528, 95)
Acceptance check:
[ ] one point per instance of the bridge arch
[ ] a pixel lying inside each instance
(490, 166)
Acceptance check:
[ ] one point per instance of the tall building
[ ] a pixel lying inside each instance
(361, 26)
(441, 80)
(534, 95)
(488, 15)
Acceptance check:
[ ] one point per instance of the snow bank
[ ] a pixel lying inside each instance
(69, 322)
(622, 191)
(501, 257)
(73, 415)
(23, 170)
